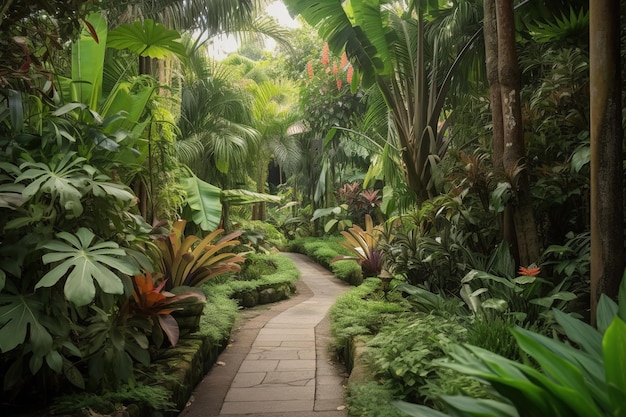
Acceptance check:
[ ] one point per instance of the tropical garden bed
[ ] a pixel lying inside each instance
(115, 124)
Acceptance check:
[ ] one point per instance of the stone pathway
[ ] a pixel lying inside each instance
(278, 364)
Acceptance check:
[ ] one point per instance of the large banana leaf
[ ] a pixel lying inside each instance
(242, 197)
(88, 61)
(204, 202)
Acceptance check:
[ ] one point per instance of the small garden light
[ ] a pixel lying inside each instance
(385, 277)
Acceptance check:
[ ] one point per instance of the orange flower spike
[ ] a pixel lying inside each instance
(349, 75)
(309, 69)
(344, 61)
(335, 68)
(325, 59)
(531, 271)
(339, 84)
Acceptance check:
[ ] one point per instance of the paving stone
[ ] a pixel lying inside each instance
(255, 408)
(270, 393)
(258, 365)
(289, 377)
(329, 392)
(290, 365)
(248, 379)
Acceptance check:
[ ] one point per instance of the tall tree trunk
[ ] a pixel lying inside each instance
(514, 150)
(490, 31)
(607, 189)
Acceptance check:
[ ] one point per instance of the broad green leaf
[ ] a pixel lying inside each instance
(569, 383)
(614, 349)
(73, 375)
(549, 300)
(415, 410)
(55, 361)
(3, 279)
(588, 338)
(480, 407)
(83, 263)
(605, 313)
(19, 315)
(495, 304)
(102, 187)
(242, 197)
(130, 100)
(147, 38)
(16, 110)
(581, 157)
(88, 62)
(204, 201)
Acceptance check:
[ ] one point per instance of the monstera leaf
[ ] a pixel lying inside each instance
(83, 262)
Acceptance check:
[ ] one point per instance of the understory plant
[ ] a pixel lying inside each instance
(191, 260)
(406, 352)
(364, 244)
(583, 375)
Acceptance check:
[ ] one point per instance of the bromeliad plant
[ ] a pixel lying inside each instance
(584, 376)
(365, 246)
(192, 261)
(152, 303)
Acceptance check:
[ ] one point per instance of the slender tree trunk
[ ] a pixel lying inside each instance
(607, 189)
(490, 31)
(491, 54)
(514, 149)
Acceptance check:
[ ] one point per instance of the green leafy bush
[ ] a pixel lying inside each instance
(581, 376)
(406, 351)
(362, 311)
(371, 399)
(323, 251)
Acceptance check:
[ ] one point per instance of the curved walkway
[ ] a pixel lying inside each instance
(277, 364)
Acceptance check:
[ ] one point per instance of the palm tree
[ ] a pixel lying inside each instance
(391, 55)
(274, 112)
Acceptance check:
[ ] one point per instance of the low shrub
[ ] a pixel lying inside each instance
(406, 352)
(348, 271)
(323, 251)
(494, 335)
(362, 311)
(371, 399)
(261, 234)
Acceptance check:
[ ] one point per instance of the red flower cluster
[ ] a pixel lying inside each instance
(531, 271)
(337, 67)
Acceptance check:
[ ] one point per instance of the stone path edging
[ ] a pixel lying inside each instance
(278, 364)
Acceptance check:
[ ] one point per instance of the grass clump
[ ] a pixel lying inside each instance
(141, 395)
